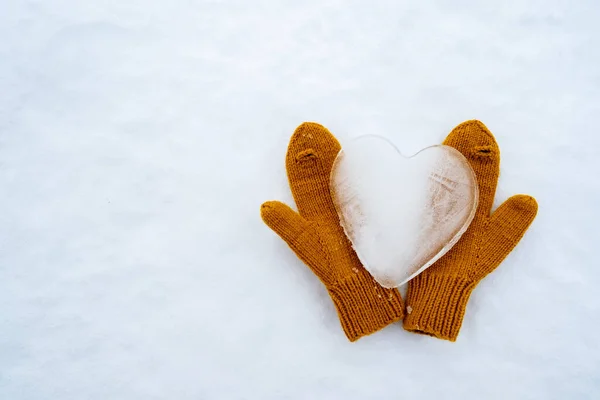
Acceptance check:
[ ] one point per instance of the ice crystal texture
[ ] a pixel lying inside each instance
(402, 214)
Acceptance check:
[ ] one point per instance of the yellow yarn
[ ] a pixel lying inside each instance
(315, 235)
(437, 298)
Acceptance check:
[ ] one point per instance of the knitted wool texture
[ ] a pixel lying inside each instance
(315, 235)
(437, 298)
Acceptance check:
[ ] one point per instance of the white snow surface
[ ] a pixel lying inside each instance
(138, 139)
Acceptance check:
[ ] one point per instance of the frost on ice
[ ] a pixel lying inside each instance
(402, 214)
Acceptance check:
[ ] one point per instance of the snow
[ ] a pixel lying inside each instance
(138, 139)
(401, 213)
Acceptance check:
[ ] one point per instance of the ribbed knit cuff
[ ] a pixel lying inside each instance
(365, 307)
(436, 305)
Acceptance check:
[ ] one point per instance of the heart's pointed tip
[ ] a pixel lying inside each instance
(388, 285)
(388, 279)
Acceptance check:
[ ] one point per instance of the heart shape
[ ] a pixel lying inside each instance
(400, 213)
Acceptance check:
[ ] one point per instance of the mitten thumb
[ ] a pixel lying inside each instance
(300, 234)
(505, 229)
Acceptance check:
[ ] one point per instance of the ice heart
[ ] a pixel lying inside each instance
(402, 213)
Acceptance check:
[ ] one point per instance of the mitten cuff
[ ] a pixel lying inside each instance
(436, 305)
(363, 306)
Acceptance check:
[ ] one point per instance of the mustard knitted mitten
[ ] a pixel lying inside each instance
(315, 235)
(437, 298)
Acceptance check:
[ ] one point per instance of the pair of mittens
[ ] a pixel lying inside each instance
(437, 298)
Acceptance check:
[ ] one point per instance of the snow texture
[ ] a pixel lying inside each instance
(401, 213)
(138, 139)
